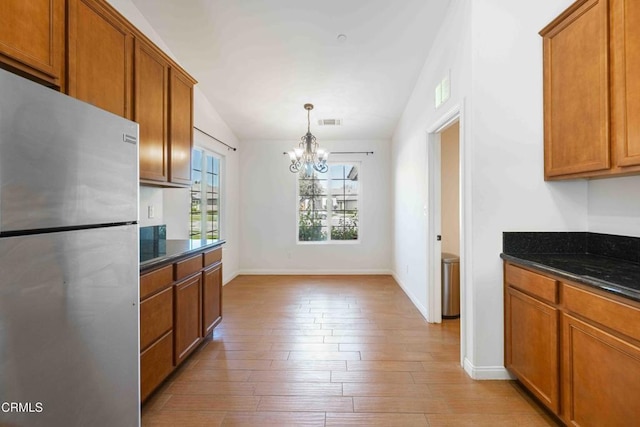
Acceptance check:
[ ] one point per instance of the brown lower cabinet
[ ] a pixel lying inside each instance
(533, 353)
(576, 348)
(188, 316)
(211, 298)
(600, 376)
(180, 304)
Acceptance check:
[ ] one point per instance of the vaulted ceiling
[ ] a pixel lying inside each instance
(259, 61)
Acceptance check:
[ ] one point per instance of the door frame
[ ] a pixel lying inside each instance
(433, 212)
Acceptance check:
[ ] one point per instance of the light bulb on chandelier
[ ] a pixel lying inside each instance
(307, 156)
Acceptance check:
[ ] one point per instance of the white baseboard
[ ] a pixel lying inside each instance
(421, 308)
(289, 272)
(486, 372)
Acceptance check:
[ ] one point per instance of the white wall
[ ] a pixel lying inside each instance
(506, 138)
(614, 206)
(450, 52)
(268, 213)
(171, 202)
(495, 46)
(151, 196)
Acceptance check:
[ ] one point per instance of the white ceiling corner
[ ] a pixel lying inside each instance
(259, 61)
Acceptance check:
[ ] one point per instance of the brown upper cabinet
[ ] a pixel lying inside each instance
(152, 105)
(32, 39)
(164, 110)
(109, 63)
(591, 101)
(625, 94)
(181, 125)
(100, 57)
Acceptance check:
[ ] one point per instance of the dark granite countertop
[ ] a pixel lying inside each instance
(173, 251)
(603, 261)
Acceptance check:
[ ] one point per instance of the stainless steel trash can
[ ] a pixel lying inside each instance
(450, 285)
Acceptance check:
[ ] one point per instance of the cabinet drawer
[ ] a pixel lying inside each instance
(156, 317)
(156, 363)
(613, 314)
(187, 266)
(531, 283)
(156, 280)
(212, 257)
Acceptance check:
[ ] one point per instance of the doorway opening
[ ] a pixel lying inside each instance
(445, 212)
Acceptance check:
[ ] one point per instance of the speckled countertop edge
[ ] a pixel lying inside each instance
(171, 258)
(587, 280)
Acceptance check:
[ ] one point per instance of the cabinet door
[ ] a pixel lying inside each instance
(32, 38)
(601, 377)
(188, 316)
(151, 101)
(211, 298)
(181, 119)
(100, 57)
(625, 85)
(531, 345)
(576, 91)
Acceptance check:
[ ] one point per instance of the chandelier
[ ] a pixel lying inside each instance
(307, 156)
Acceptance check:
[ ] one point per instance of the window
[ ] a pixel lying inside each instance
(328, 204)
(205, 196)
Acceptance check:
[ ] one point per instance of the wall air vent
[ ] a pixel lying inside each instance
(330, 122)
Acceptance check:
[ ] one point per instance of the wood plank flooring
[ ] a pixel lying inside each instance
(332, 351)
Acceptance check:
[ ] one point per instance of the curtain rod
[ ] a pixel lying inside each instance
(213, 137)
(345, 152)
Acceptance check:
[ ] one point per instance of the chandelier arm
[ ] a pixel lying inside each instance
(307, 152)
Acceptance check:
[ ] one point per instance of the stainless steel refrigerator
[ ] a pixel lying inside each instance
(69, 269)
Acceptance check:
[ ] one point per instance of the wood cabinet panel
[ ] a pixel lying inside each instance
(181, 127)
(211, 298)
(100, 57)
(156, 317)
(151, 102)
(156, 363)
(625, 86)
(155, 280)
(622, 317)
(182, 312)
(212, 257)
(187, 317)
(187, 266)
(32, 38)
(576, 90)
(601, 377)
(531, 345)
(532, 283)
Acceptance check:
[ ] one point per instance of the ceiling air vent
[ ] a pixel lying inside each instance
(330, 122)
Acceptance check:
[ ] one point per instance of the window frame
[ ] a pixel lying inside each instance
(203, 191)
(329, 210)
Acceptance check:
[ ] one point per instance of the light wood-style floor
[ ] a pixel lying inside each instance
(332, 351)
